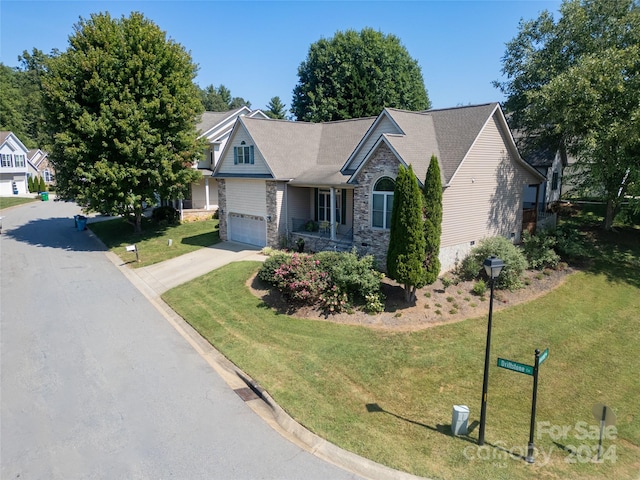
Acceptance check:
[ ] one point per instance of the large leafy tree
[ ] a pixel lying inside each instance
(122, 107)
(21, 107)
(574, 83)
(405, 255)
(219, 99)
(432, 200)
(357, 74)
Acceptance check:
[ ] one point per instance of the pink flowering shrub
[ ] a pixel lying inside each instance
(336, 281)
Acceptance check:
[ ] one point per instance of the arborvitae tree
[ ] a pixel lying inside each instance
(405, 257)
(432, 198)
(42, 187)
(30, 184)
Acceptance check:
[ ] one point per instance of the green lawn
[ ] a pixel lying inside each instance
(388, 396)
(153, 243)
(6, 202)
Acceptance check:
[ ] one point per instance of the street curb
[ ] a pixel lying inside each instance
(264, 405)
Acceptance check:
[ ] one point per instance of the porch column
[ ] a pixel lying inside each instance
(332, 213)
(206, 193)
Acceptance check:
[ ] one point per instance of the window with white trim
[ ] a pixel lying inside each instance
(324, 206)
(6, 160)
(19, 160)
(243, 154)
(382, 203)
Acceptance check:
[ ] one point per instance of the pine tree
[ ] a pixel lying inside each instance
(42, 187)
(432, 198)
(405, 256)
(30, 184)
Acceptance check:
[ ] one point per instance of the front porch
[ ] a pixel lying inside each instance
(318, 236)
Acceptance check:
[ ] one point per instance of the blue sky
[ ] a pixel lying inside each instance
(255, 48)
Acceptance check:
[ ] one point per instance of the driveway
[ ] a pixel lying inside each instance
(97, 384)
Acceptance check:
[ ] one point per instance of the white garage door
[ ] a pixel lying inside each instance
(249, 230)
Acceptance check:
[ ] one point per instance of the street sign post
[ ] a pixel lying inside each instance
(533, 371)
(515, 366)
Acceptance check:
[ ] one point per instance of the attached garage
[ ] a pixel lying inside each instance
(247, 229)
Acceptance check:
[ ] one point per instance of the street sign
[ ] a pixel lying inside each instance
(543, 356)
(515, 366)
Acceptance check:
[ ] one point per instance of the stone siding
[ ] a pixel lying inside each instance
(223, 212)
(273, 234)
(369, 240)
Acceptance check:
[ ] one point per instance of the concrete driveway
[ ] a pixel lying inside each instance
(97, 384)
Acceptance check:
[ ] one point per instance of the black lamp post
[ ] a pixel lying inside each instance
(493, 267)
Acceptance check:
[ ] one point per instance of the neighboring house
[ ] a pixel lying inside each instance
(39, 166)
(13, 165)
(331, 184)
(215, 127)
(549, 162)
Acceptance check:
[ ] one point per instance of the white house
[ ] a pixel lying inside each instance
(13, 165)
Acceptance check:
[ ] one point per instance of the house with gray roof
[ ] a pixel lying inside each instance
(13, 165)
(215, 128)
(331, 184)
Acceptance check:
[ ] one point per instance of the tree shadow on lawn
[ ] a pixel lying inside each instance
(615, 254)
(203, 240)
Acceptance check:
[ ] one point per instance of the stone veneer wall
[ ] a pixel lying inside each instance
(374, 241)
(223, 212)
(272, 209)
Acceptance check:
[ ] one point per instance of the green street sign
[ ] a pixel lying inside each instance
(543, 356)
(515, 366)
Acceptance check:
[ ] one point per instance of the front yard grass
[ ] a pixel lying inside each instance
(153, 243)
(388, 396)
(6, 202)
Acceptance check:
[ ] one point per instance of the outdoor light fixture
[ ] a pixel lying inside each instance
(493, 266)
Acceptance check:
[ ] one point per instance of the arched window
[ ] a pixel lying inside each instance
(382, 203)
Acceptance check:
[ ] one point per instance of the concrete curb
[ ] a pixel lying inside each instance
(264, 405)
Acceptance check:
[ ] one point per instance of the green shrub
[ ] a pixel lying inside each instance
(539, 249)
(446, 282)
(515, 263)
(570, 244)
(335, 280)
(271, 264)
(166, 214)
(356, 277)
(479, 288)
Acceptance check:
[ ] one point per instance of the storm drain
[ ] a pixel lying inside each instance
(246, 394)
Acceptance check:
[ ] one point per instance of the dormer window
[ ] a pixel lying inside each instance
(243, 154)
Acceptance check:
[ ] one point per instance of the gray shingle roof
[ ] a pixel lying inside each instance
(208, 120)
(314, 153)
(306, 152)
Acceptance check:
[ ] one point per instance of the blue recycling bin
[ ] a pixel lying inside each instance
(81, 223)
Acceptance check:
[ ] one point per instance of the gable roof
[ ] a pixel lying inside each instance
(321, 153)
(5, 136)
(211, 121)
(447, 133)
(303, 152)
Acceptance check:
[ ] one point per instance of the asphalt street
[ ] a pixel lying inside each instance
(95, 383)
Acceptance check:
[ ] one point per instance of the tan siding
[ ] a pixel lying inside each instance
(485, 196)
(246, 196)
(297, 204)
(385, 126)
(259, 166)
